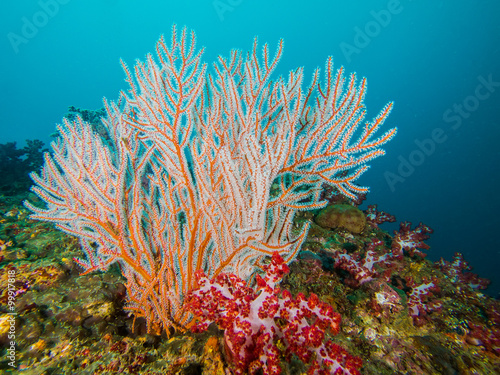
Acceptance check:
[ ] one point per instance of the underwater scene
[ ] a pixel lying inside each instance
(249, 187)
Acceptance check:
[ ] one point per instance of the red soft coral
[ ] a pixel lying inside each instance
(255, 321)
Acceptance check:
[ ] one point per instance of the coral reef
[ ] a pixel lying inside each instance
(67, 323)
(353, 299)
(16, 165)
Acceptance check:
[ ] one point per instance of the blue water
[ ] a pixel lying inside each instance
(439, 61)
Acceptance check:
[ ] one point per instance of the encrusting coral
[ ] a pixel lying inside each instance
(342, 216)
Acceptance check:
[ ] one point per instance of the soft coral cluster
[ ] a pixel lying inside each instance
(422, 299)
(411, 240)
(375, 217)
(458, 272)
(255, 321)
(367, 268)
